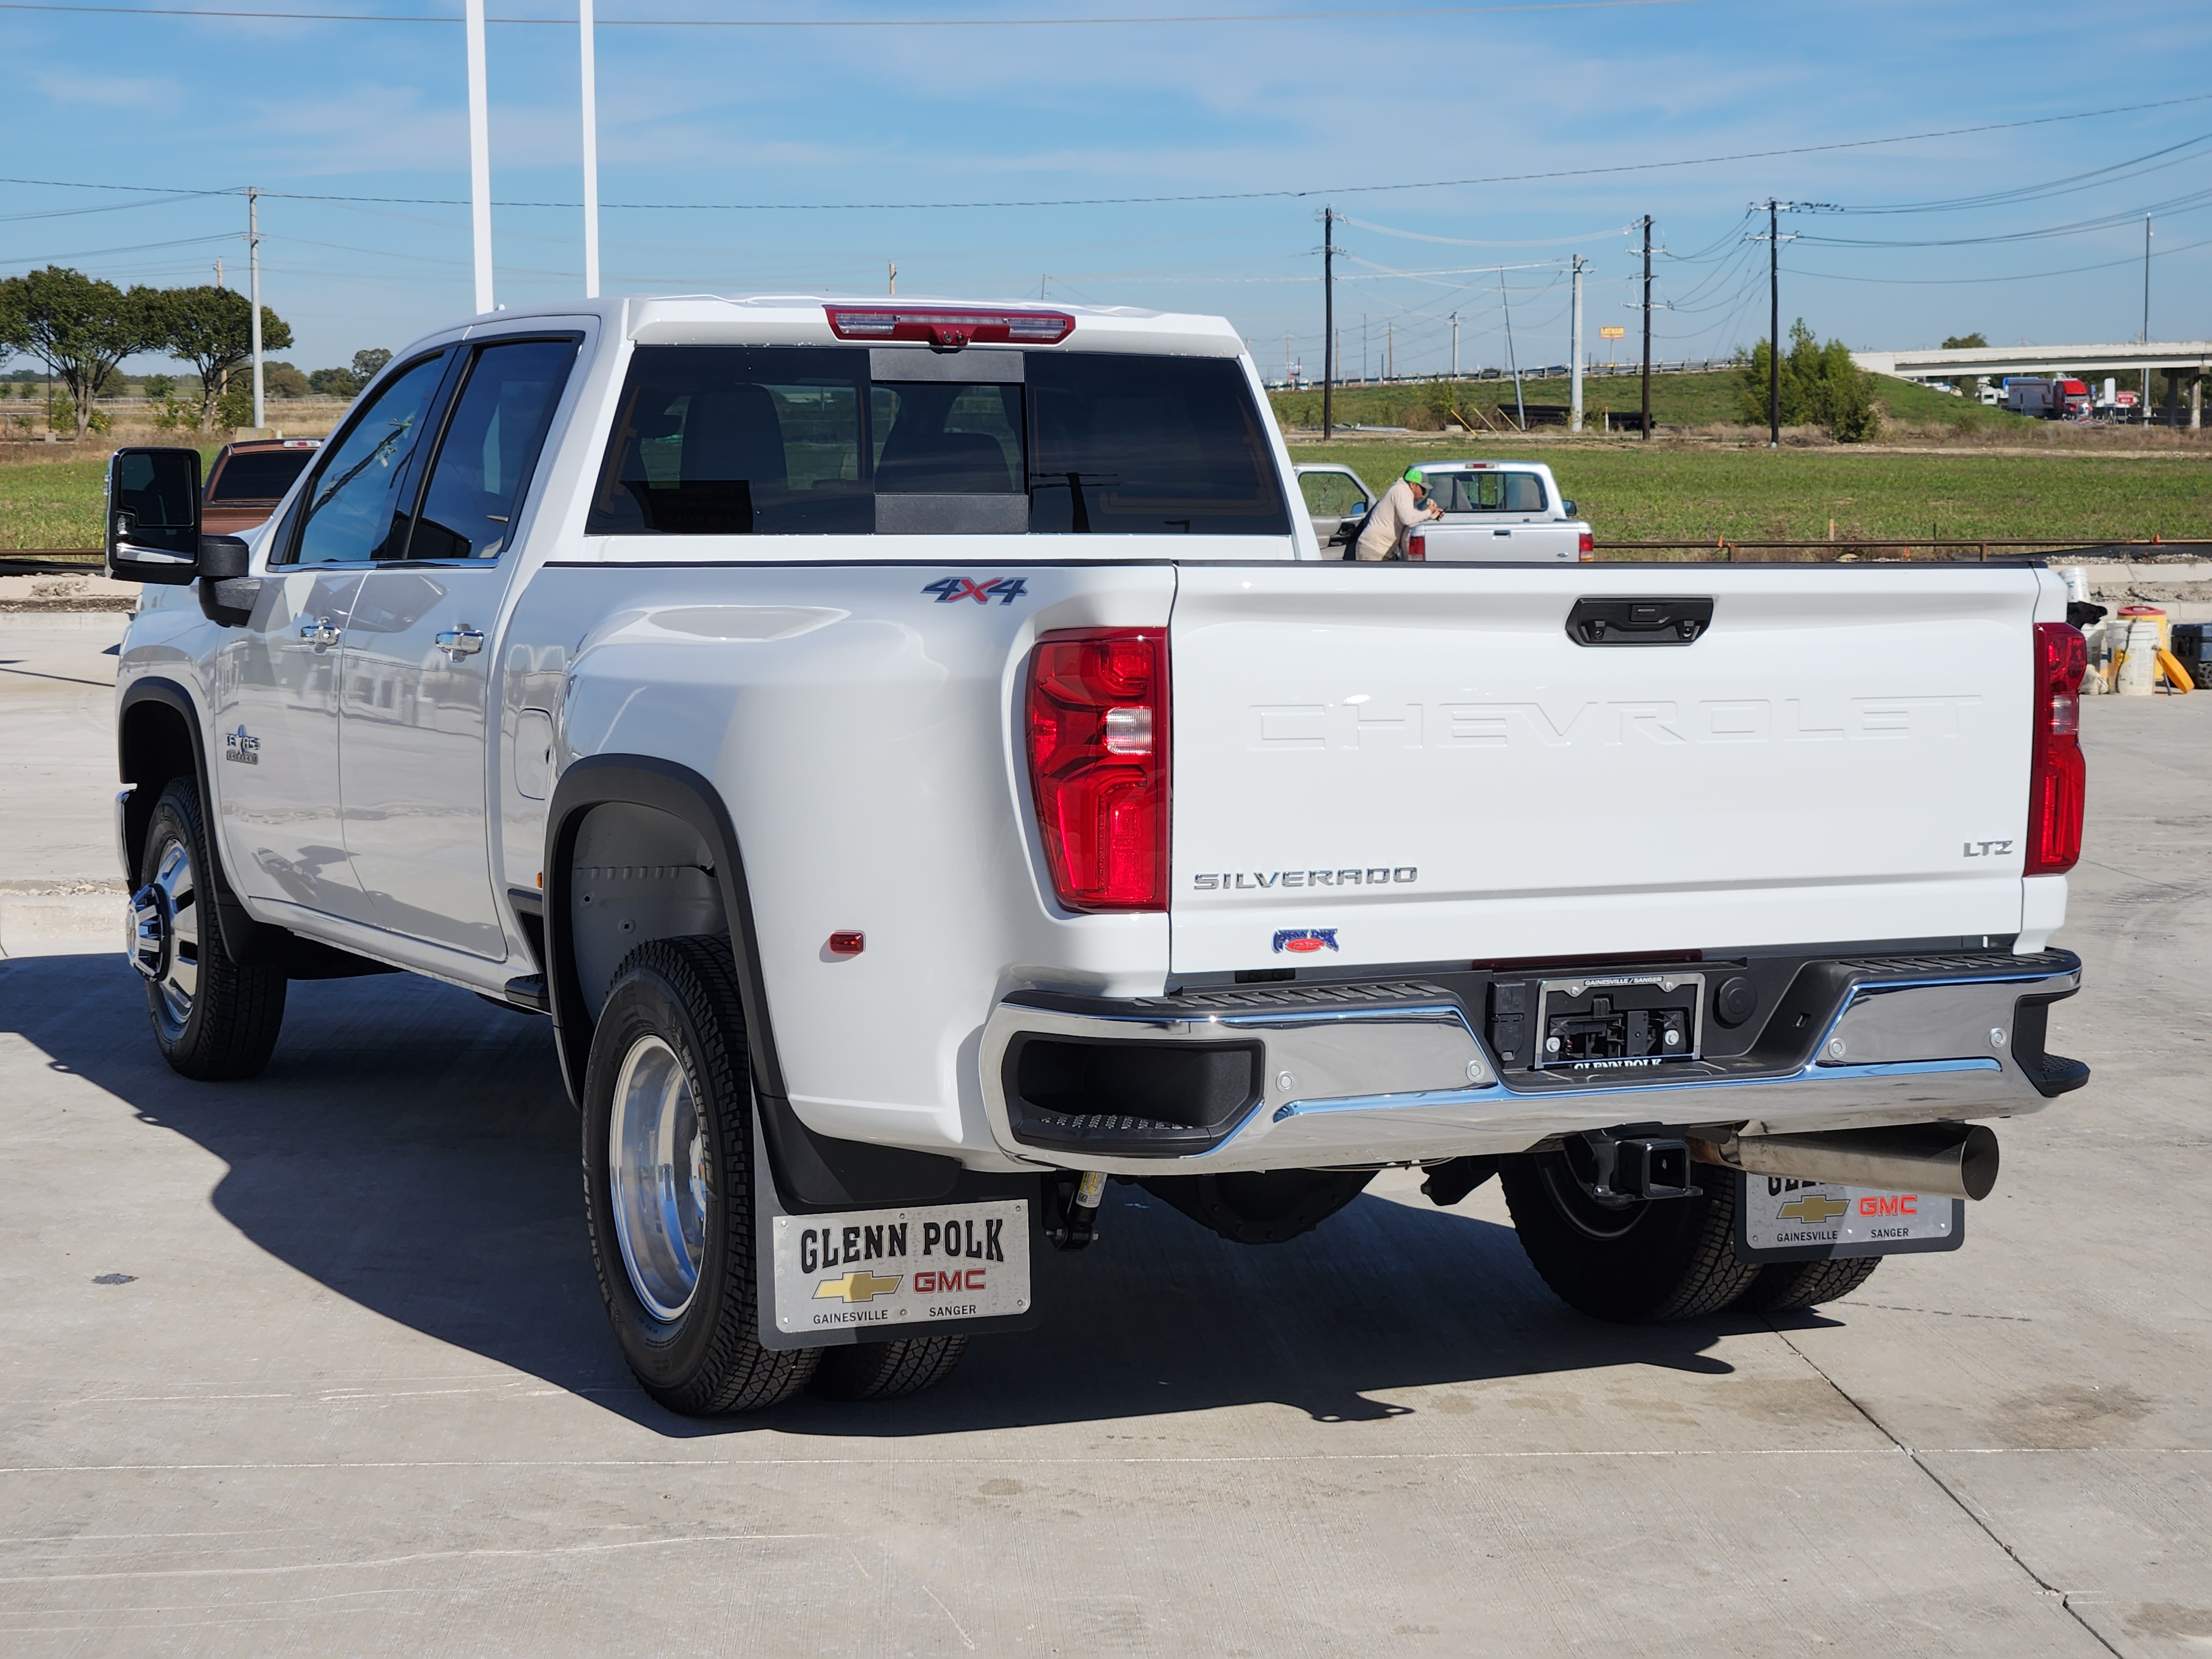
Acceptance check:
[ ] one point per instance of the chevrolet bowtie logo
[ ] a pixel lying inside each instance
(857, 1286)
(1812, 1209)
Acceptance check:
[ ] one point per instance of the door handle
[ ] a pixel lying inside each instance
(460, 642)
(318, 633)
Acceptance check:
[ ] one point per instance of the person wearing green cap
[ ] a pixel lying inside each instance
(1401, 508)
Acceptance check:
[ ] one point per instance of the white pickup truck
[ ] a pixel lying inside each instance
(1494, 512)
(923, 764)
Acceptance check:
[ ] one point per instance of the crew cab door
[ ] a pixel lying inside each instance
(419, 653)
(1499, 515)
(1335, 496)
(277, 790)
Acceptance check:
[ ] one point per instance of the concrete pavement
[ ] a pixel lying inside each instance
(317, 1361)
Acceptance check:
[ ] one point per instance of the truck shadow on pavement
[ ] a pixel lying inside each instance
(411, 1148)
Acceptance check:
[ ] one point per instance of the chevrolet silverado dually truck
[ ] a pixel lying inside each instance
(921, 765)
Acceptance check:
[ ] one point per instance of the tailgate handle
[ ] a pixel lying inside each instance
(1639, 622)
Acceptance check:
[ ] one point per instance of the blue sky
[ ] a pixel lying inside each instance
(884, 115)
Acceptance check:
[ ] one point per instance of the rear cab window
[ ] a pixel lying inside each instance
(1492, 490)
(257, 476)
(830, 440)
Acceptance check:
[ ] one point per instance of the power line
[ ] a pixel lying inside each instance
(1213, 196)
(844, 22)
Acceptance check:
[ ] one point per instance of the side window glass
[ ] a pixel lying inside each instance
(1330, 493)
(490, 444)
(353, 498)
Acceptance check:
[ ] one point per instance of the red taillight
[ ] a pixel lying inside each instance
(949, 327)
(1098, 764)
(1586, 547)
(2057, 782)
(1417, 549)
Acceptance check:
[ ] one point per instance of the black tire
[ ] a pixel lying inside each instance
(1782, 1286)
(213, 1020)
(674, 1002)
(1637, 1264)
(886, 1371)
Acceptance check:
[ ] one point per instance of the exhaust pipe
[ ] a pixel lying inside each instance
(1951, 1160)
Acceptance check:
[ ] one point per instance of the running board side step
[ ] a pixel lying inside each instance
(528, 993)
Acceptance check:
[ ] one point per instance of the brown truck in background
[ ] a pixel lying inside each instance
(247, 480)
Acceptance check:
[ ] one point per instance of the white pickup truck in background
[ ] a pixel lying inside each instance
(924, 764)
(1495, 513)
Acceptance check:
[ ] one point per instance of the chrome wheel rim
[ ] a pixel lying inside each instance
(165, 932)
(657, 1172)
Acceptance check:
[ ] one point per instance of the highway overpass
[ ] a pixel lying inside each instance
(2189, 359)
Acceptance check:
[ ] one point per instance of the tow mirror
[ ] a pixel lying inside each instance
(153, 516)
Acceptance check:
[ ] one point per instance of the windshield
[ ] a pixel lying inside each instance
(810, 440)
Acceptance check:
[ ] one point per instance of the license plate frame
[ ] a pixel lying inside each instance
(1835, 1222)
(1628, 1069)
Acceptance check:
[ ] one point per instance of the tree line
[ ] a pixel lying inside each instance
(82, 328)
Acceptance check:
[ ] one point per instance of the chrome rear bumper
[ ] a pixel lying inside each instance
(1387, 1072)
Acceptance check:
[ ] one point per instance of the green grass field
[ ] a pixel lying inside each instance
(1630, 491)
(56, 504)
(1677, 400)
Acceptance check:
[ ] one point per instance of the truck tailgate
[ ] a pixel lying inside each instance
(1395, 764)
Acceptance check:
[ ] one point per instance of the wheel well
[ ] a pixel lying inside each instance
(155, 746)
(637, 874)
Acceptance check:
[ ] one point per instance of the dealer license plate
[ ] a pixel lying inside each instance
(1783, 1220)
(891, 1268)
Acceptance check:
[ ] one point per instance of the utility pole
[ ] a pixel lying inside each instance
(1773, 327)
(253, 281)
(1520, 409)
(1286, 361)
(479, 160)
(589, 64)
(1328, 363)
(1454, 323)
(1575, 370)
(218, 273)
(1390, 350)
(2146, 332)
(1647, 328)
(893, 265)
(1363, 348)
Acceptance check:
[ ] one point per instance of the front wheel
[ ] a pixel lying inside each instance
(1633, 1261)
(668, 1182)
(213, 1019)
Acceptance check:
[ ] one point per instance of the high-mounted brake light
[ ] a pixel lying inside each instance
(2057, 781)
(1098, 765)
(948, 328)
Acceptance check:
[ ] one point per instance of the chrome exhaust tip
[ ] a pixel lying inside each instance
(1950, 1160)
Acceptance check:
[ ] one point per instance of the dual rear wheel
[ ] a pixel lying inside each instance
(668, 1185)
(1637, 1262)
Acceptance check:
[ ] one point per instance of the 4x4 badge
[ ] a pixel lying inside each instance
(1005, 590)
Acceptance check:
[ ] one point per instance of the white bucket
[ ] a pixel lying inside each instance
(2078, 584)
(2139, 673)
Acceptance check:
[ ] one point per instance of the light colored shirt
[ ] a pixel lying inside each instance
(1393, 515)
